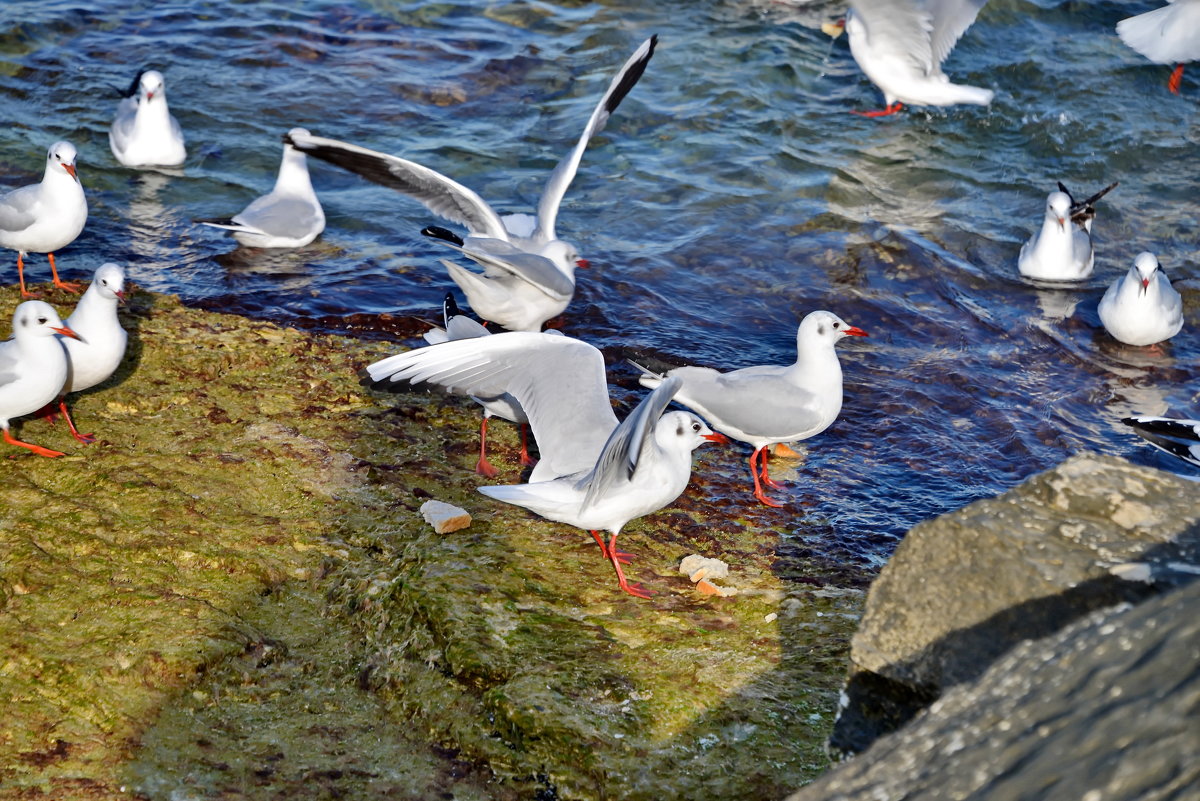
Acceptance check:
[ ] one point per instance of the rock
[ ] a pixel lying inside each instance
(1102, 709)
(965, 588)
(445, 517)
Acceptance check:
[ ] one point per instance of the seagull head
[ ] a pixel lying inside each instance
(1146, 265)
(61, 156)
(684, 431)
(109, 281)
(38, 318)
(827, 327)
(151, 85)
(1058, 206)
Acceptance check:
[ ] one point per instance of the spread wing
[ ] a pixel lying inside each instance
(950, 20)
(901, 27)
(439, 194)
(557, 380)
(564, 173)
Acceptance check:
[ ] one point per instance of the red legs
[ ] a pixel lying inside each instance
(21, 277)
(526, 459)
(1176, 79)
(758, 492)
(622, 557)
(614, 556)
(86, 439)
(38, 449)
(58, 282)
(892, 109)
(483, 467)
(770, 482)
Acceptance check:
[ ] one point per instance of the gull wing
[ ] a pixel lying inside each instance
(950, 20)
(442, 196)
(279, 216)
(558, 381)
(1177, 437)
(903, 27)
(16, 208)
(619, 457)
(564, 173)
(499, 257)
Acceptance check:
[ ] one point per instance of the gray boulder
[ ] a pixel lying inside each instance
(964, 589)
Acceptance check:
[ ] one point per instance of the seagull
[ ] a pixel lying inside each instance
(594, 473)
(144, 134)
(1062, 252)
(901, 44)
(529, 273)
(33, 366)
(100, 345)
(290, 216)
(505, 406)
(1167, 35)
(45, 217)
(1141, 307)
(1175, 436)
(770, 403)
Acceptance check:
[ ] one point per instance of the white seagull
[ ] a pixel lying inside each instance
(45, 217)
(529, 273)
(144, 134)
(900, 46)
(290, 216)
(100, 345)
(33, 366)
(594, 473)
(1177, 437)
(770, 403)
(1141, 307)
(1167, 35)
(1061, 251)
(505, 406)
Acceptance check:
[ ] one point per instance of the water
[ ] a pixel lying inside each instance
(731, 194)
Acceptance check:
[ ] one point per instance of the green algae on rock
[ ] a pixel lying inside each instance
(240, 561)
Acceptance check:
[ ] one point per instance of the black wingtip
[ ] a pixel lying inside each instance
(631, 77)
(1101, 193)
(450, 308)
(438, 232)
(1067, 192)
(133, 85)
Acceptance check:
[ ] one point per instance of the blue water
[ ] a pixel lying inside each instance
(731, 194)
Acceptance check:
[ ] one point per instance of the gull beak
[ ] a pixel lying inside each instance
(716, 436)
(1062, 224)
(855, 331)
(120, 296)
(70, 168)
(1145, 286)
(67, 332)
(149, 95)
(582, 264)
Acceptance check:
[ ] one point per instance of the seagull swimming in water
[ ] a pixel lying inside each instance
(767, 404)
(529, 273)
(144, 133)
(45, 217)
(1141, 307)
(289, 216)
(1062, 249)
(900, 46)
(595, 473)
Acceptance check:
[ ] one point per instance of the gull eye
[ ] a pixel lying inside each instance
(837, 325)
(695, 426)
(41, 321)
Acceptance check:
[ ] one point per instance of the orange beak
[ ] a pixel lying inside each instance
(855, 331)
(66, 332)
(717, 436)
(582, 264)
(70, 168)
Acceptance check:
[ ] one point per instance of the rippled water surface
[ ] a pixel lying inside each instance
(731, 193)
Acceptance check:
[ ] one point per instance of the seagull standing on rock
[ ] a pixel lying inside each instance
(45, 217)
(33, 367)
(900, 46)
(767, 404)
(144, 133)
(1141, 307)
(290, 216)
(1062, 250)
(594, 473)
(529, 273)
(99, 345)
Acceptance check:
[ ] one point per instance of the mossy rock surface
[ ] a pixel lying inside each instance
(232, 594)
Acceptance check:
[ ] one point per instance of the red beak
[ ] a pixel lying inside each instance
(855, 331)
(149, 95)
(66, 332)
(120, 296)
(70, 168)
(582, 264)
(717, 436)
